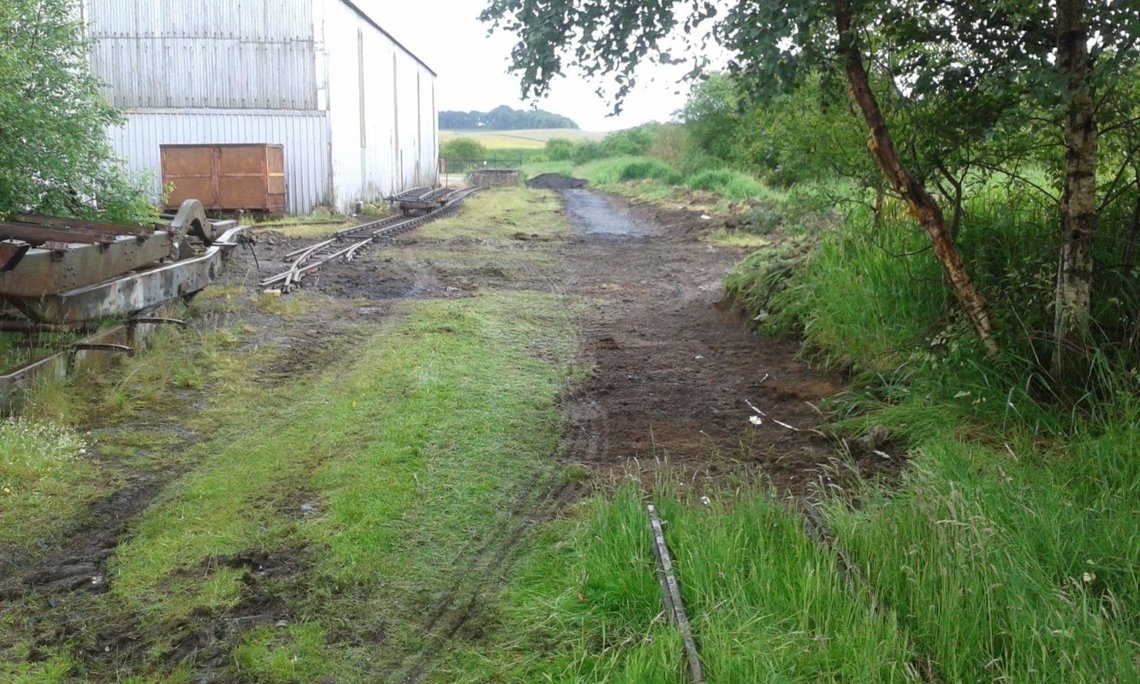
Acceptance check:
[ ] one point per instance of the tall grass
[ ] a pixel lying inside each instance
(731, 184)
(1013, 563)
(1011, 548)
(616, 169)
(766, 604)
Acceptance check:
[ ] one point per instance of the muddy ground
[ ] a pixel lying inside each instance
(674, 377)
(677, 376)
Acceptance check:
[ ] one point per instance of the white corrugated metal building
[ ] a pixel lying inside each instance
(353, 107)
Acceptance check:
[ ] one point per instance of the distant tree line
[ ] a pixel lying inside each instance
(503, 118)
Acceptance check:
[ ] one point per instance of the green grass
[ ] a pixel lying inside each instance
(1010, 550)
(533, 169)
(731, 184)
(766, 604)
(735, 238)
(51, 467)
(41, 466)
(502, 214)
(1012, 564)
(413, 454)
(655, 181)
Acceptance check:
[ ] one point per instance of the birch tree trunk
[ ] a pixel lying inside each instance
(1078, 201)
(918, 200)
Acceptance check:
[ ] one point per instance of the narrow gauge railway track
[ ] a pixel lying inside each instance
(345, 244)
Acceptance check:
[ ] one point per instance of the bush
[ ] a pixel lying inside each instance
(559, 149)
(731, 184)
(642, 169)
(54, 153)
(465, 149)
(588, 151)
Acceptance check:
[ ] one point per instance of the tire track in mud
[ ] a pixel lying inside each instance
(483, 576)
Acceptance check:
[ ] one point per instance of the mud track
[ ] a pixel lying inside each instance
(674, 378)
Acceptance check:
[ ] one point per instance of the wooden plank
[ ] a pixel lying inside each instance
(671, 595)
(38, 235)
(81, 225)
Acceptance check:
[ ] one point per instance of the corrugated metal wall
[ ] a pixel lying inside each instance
(370, 76)
(242, 54)
(354, 110)
(305, 136)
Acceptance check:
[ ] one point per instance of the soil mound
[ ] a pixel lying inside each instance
(556, 181)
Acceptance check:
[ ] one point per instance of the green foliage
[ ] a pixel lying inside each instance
(792, 138)
(731, 184)
(1016, 562)
(54, 155)
(956, 82)
(630, 142)
(463, 149)
(611, 170)
(559, 149)
(642, 169)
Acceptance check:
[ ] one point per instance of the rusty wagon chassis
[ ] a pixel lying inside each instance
(59, 274)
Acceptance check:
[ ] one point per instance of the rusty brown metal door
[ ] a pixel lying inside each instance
(226, 177)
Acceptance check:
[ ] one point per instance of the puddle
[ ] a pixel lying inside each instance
(593, 213)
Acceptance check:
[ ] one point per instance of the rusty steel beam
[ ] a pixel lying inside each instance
(19, 325)
(37, 235)
(82, 226)
(134, 292)
(50, 272)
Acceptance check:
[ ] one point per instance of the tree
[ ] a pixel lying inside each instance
(503, 118)
(1023, 55)
(54, 155)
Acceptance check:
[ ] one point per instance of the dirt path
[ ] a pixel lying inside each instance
(676, 374)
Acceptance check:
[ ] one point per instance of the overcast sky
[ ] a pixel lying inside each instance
(472, 67)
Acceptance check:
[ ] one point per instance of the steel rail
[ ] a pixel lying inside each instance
(345, 244)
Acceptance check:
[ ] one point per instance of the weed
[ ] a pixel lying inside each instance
(452, 415)
(1010, 564)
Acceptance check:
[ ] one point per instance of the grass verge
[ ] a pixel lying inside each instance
(503, 214)
(1010, 564)
(1009, 550)
(413, 453)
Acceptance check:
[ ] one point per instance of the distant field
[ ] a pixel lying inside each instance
(527, 139)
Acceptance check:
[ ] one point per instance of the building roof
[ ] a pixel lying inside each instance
(372, 22)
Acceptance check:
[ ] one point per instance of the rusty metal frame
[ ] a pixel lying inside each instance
(49, 271)
(137, 291)
(82, 225)
(88, 353)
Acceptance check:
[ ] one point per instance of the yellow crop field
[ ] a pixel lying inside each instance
(525, 139)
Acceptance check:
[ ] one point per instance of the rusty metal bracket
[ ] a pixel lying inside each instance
(191, 219)
(11, 254)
